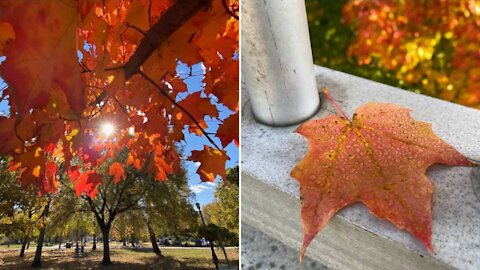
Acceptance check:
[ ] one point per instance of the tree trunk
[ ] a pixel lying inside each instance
(106, 245)
(220, 243)
(26, 239)
(124, 241)
(28, 244)
(37, 261)
(214, 256)
(94, 247)
(153, 239)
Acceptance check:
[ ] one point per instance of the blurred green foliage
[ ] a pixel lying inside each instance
(330, 39)
(426, 47)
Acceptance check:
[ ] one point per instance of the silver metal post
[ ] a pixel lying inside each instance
(277, 63)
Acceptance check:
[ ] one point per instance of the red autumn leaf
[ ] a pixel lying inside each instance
(6, 34)
(87, 182)
(137, 163)
(10, 141)
(200, 108)
(94, 179)
(50, 180)
(228, 131)
(380, 159)
(73, 173)
(116, 170)
(42, 54)
(212, 163)
(70, 68)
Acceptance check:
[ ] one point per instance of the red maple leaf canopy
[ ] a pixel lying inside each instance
(89, 79)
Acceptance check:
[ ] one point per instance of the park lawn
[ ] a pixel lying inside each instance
(123, 258)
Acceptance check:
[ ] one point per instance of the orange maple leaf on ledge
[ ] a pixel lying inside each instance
(380, 159)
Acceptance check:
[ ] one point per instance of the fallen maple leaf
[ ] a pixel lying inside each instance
(379, 158)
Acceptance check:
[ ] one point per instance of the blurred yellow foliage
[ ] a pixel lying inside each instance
(432, 46)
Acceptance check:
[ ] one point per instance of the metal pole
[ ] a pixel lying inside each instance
(277, 63)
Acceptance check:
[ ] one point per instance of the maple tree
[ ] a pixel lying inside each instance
(71, 66)
(116, 195)
(224, 210)
(378, 158)
(431, 46)
(19, 208)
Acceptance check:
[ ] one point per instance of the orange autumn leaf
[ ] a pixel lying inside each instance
(10, 142)
(228, 131)
(85, 182)
(200, 107)
(212, 163)
(42, 55)
(135, 162)
(6, 34)
(66, 72)
(50, 180)
(380, 159)
(116, 170)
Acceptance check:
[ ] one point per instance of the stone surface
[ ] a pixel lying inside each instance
(269, 154)
(341, 245)
(260, 251)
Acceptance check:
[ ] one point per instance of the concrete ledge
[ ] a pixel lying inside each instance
(269, 154)
(260, 251)
(341, 245)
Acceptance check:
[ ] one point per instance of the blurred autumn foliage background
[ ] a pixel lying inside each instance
(429, 47)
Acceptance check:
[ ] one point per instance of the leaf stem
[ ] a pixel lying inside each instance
(335, 104)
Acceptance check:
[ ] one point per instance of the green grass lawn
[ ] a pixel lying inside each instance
(123, 258)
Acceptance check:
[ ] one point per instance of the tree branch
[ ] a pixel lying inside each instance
(118, 199)
(100, 221)
(179, 13)
(229, 11)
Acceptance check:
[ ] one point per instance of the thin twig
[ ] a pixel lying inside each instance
(121, 106)
(114, 68)
(84, 67)
(162, 91)
(229, 11)
(129, 25)
(150, 13)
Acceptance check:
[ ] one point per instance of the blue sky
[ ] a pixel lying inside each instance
(204, 192)
(4, 108)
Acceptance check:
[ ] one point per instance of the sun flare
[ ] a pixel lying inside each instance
(108, 129)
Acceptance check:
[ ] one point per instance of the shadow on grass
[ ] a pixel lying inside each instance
(90, 260)
(193, 260)
(122, 258)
